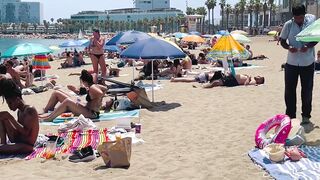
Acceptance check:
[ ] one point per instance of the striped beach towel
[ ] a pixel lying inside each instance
(74, 140)
(306, 168)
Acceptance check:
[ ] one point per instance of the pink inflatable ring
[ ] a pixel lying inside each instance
(281, 122)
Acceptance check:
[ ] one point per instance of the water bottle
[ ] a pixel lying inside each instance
(233, 72)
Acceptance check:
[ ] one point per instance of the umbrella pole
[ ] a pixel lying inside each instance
(152, 81)
(41, 78)
(133, 66)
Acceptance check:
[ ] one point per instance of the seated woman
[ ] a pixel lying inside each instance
(251, 57)
(23, 132)
(146, 71)
(68, 62)
(187, 64)
(202, 59)
(174, 70)
(94, 97)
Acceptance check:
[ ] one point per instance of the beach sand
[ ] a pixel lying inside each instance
(199, 134)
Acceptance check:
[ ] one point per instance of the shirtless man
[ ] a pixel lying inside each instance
(219, 79)
(22, 133)
(230, 81)
(14, 74)
(3, 72)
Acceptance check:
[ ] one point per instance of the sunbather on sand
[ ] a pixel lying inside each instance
(220, 79)
(174, 70)
(14, 74)
(94, 97)
(23, 132)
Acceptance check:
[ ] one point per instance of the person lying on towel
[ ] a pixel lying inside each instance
(91, 109)
(21, 133)
(220, 79)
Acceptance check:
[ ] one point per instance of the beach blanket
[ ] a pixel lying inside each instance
(306, 168)
(148, 87)
(103, 117)
(2, 156)
(74, 140)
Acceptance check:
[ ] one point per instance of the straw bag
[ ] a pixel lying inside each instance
(117, 153)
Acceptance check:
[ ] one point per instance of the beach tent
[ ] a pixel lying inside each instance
(152, 49)
(26, 49)
(310, 33)
(127, 37)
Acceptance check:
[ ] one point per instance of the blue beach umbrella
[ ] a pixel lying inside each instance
(112, 48)
(26, 49)
(128, 37)
(195, 33)
(75, 43)
(180, 35)
(152, 49)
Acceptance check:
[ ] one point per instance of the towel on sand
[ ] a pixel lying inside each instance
(306, 168)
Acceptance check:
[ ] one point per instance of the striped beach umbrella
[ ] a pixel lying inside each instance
(311, 33)
(26, 49)
(227, 46)
(40, 62)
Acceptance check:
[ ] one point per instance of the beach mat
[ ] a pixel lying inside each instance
(306, 168)
(103, 117)
(2, 156)
(75, 140)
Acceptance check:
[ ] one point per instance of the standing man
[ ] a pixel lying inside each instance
(300, 62)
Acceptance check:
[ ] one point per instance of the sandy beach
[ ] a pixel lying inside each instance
(199, 134)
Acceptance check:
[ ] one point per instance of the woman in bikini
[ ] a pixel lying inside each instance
(97, 55)
(91, 110)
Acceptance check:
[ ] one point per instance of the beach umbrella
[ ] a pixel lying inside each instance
(112, 48)
(195, 33)
(180, 35)
(239, 32)
(310, 33)
(207, 36)
(75, 43)
(241, 38)
(194, 38)
(272, 33)
(40, 62)
(26, 49)
(227, 46)
(222, 32)
(216, 35)
(152, 49)
(127, 37)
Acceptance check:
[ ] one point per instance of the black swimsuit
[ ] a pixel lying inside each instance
(96, 115)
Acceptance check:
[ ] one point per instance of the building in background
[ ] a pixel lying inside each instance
(286, 5)
(15, 11)
(143, 10)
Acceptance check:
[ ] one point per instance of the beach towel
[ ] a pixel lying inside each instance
(46, 77)
(75, 140)
(148, 87)
(103, 117)
(306, 168)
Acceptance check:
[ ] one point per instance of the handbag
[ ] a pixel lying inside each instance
(116, 154)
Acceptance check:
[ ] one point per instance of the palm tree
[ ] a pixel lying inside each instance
(213, 5)
(250, 11)
(190, 11)
(208, 4)
(228, 11)
(270, 2)
(265, 8)
(52, 19)
(242, 5)
(236, 11)
(222, 6)
(46, 25)
(202, 11)
(257, 7)
(145, 23)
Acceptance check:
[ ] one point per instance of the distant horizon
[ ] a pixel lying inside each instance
(50, 8)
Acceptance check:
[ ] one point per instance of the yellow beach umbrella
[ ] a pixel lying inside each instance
(239, 32)
(228, 46)
(194, 38)
(272, 33)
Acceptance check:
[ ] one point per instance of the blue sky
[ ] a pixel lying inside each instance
(64, 8)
